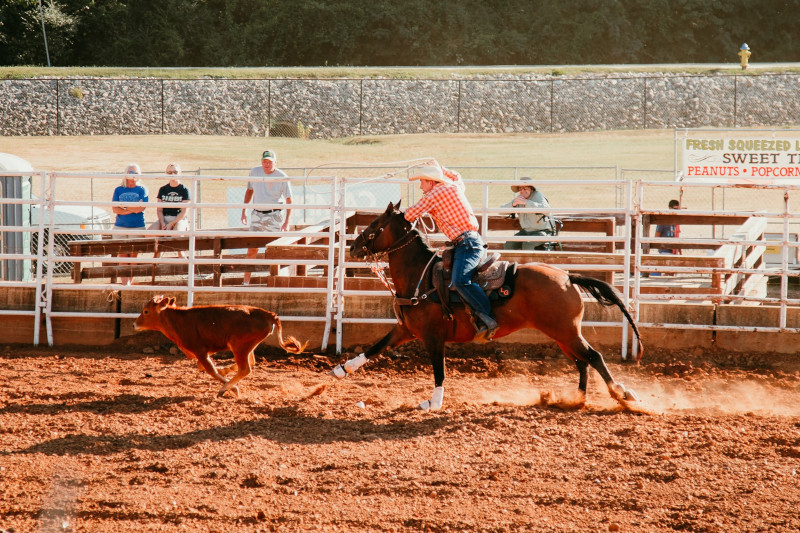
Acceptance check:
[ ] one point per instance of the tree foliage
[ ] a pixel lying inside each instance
(165, 33)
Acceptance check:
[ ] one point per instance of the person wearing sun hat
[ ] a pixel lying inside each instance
(271, 187)
(443, 199)
(532, 224)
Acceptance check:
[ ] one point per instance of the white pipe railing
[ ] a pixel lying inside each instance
(628, 240)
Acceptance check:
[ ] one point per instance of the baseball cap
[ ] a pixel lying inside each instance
(269, 154)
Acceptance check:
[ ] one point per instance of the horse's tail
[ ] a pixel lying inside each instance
(608, 296)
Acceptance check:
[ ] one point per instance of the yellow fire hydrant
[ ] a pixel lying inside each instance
(744, 53)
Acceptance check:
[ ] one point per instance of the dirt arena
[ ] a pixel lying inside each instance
(133, 438)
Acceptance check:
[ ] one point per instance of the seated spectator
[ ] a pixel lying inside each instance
(533, 224)
(170, 218)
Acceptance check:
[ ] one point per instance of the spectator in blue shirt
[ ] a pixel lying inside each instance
(130, 217)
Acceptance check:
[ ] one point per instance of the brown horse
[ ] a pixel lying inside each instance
(544, 297)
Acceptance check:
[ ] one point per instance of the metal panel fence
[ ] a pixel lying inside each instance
(626, 201)
(332, 108)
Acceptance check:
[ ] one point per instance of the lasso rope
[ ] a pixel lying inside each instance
(405, 166)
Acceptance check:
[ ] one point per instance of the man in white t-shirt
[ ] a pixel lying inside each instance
(272, 190)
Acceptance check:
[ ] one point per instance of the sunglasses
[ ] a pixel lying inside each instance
(172, 171)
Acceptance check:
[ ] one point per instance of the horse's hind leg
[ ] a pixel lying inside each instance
(582, 353)
(583, 375)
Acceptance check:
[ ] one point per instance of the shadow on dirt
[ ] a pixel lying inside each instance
(284, 425)
(122, 404)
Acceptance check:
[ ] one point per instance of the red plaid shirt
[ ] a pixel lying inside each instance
(449, 208)
(454, 176)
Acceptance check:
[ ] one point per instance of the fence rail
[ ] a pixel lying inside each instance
(332, 108)
(728, 256)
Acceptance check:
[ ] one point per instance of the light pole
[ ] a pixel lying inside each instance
(46, 51)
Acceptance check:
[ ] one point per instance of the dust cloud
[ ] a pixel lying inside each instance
(667, 396)
(721, 397)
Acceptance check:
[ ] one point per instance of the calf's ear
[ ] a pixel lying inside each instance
(171, 301)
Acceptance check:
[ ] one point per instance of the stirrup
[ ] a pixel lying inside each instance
(484, 334)
(486, 331)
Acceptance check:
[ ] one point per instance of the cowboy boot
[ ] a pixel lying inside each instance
(485, 331)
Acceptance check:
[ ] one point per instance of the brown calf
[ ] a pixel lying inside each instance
(204, 330)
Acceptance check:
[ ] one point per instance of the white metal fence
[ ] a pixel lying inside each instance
(625, 200)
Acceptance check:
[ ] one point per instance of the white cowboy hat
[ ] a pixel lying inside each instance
(515, 188)
(429, 171)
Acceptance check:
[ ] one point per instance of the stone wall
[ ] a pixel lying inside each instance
(348, 107)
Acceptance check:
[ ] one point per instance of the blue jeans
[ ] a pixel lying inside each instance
(466, 258)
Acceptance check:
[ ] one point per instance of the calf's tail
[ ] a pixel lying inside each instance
(291, 344)
(608, 296)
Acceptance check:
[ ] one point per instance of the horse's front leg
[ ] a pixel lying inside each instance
(435, 347)
(397, 336)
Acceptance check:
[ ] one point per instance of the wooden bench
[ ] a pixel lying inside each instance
(580, 263)
(314, 247)
(572, 224)
(276, 247)
(669, 219)
(156, 270)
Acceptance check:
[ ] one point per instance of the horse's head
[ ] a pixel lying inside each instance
(381, 236)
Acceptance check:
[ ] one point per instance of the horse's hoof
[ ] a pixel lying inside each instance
(338, 372)
(617, 391)
(630, 396)
(437, 398)
(436, 401)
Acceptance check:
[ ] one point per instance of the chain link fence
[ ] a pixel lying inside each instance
(333, 108)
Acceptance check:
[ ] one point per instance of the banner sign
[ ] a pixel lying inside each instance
(753, 158)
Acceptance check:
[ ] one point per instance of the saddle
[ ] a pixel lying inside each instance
(495, 277)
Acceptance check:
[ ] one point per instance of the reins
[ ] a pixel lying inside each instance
(414, 300)
(375, 258)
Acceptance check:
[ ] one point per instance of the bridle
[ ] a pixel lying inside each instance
(375, 257)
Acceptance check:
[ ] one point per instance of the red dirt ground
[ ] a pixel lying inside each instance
(135, 439)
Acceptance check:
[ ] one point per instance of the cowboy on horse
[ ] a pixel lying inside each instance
(445, 202)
